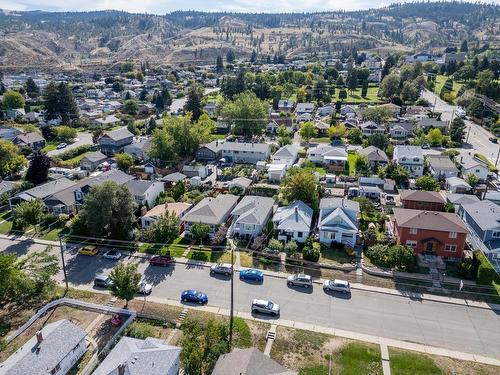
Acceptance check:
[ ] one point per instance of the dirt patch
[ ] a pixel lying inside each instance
(153, 309)
(258, 331)
(452, 366)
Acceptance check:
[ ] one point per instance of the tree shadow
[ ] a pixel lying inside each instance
(154, 275)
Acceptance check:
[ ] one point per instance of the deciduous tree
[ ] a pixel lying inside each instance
(126, 281)
(11, 161)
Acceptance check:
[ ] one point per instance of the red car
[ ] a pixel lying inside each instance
(161, 261)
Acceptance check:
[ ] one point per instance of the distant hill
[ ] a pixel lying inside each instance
(37, 38)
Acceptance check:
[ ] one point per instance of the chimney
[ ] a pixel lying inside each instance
(296, 214)
(121, 368)
(39, 337)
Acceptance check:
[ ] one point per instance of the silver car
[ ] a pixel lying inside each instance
(144, 287)
(337, 286)
(222, 269)
(265, 307)
(300, 280)
(112, 254)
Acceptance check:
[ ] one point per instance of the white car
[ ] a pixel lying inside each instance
(112, 254)
(61, 145)
(337, 286)
(300, 280)
(265, 307)
(145, 288)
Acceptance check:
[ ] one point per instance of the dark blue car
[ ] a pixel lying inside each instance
(252, 275)
(195, 296)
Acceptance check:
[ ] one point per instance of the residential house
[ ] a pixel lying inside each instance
(303, 108)
(250, 216)
(286, 105)
(241, 183)
(376, 157)
(394, 108)
(416, 112)
(326, 110)
(9, 133)
(139, 149)
(6, 187)
(420, 57)
(348, 111)
(492, 195)
(338, 221)
(249, 361)
(303, 117)
(113, 142)
(235, 152)
(41, 191)
(33, 140)
(472, 165)
(369, 128)
(457, 185)
(422, 200)
(106, 121)
(211, 109)
(145, 192)
(179, 209)
(131, 356)
(68, 200)
(322, 127)
(411, 158)
(334, 158)
(441, 166)
(459, 200)
(211, 211)
(293, 222)
(430, 232)
(91, 162)
(427, 123)
(483, 219)
(271, 127)
(15, 113)
(284, 119)
(286, 155)
(173, 178)
(276, 172)
(401, 130)
(196, 170)
(54, 350)
(386, 184)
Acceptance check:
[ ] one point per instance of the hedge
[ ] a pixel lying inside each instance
(485, 272)
(74, 152)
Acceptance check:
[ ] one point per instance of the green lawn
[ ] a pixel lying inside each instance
(5, 227)
(5, 215)
(356, 98)
(321, 140)
(73, 162)
(53, 234)
(360, 358)
(207, 255)
(218, 136)
(351, 161)
(50, 146)
(178, 246)
(441, 79)
(407, 363)
(333, 256)
(246, 260)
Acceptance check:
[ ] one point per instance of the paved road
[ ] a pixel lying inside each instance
(443, 325)
(179, 103)
(478, 136)
(83, 138)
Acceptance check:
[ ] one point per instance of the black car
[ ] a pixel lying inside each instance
(493, 139)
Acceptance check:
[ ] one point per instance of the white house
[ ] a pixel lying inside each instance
(251, 215)
(338, 221)
(54, 350)
(285, 155)
(276, 172)
(293, 222)
(145, 192)
(411, 158)
(472, 165)
(332, 157)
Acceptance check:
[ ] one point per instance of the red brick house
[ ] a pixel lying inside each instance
(430, 232)
(422, 200)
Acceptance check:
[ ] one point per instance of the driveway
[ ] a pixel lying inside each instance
(82, 138)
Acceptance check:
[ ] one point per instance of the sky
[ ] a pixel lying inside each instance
(165, 6)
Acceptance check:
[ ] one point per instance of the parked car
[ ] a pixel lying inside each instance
(493, 139)
(144, 287)
(112, 254)
(337, 286)
(222, 269)
(300, 280)
(426, 146)
(61, 145)
(265, 307)
(161, 260)
(192, 295)
(88, 250)
(102, 281)
(252, 275)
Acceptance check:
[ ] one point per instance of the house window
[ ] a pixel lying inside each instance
(453, 234)
(450, 248)
(495, 235)
(413, 230)
(248, 226)
(299, 234)
(411, 243)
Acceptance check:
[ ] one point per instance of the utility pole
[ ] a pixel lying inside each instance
(498, 155)
(63, 263)
(232, 300)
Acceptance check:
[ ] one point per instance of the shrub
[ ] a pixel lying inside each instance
(311, 251)
(275, 246)
(74, 152)
(291, 247)
(396, 256)
(467, 269)
(141, 330)
(485, 271)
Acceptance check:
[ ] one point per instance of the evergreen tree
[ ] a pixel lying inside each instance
(364, 89)
(31, 88)
(143, 94)
(193, 103)
(167, 98)
(38, 170)
(2, 88)
(253, 58)
(158, 101)
(219, 66)
(230, 56)
(67, 103)
(464, 47)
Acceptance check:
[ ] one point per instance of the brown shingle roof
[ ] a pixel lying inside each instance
(422, 196)
(430, 220)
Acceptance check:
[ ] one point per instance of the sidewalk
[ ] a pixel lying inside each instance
(282, 275)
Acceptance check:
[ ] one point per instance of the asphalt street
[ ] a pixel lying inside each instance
(455, 327)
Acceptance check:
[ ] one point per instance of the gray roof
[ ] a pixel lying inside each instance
(222, 145)
(95, 157)
(150, 356)
(441, 163)
(304, 107)
(427, 122)
(328, 150)
(333, 207)
(374, 154)
(212, 210)
(42, 191)
(295, 217)
(174, 177)
(253, 210)
(249, 361)
(6, 186)
(457, 181)
(409, 152)
(138, 187)
(59, 339)
(485, 213)
(468, 162)
(29, 138)
(371, 125)
(287, 151)
(119, 134)
(461, 199)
